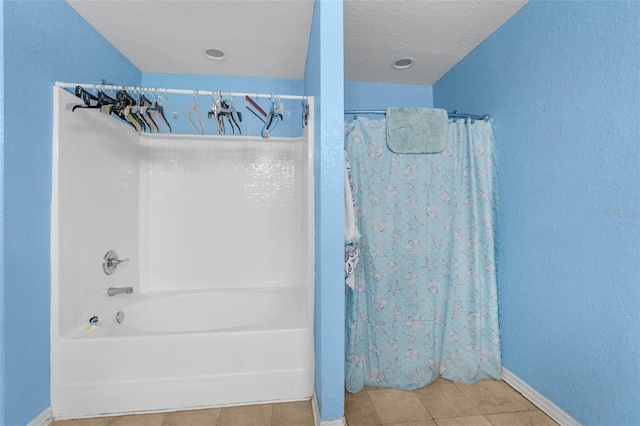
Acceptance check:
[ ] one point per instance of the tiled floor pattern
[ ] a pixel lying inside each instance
(443, 403)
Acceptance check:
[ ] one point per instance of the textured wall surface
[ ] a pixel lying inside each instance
(380, 96)
(324, 80)
(2, 340)
(44, 41)
(562, 81)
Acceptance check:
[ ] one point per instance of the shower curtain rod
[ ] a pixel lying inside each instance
(171, 91)
(454, 114)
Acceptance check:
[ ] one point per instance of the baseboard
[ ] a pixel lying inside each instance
(316, 415)
(315, 408)
(44, 419)
(537, 399)
(336, 422)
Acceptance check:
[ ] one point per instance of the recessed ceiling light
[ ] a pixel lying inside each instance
(213, 53)
(402, 63)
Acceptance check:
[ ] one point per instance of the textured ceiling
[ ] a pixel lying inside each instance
(269, 38)
(261, 38)
(437, 34)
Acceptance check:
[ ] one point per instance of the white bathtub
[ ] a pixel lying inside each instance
(201, 218)
(187, 350)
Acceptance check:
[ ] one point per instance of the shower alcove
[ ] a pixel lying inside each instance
(218, 231)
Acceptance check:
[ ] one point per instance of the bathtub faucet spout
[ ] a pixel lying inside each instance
(119, 290)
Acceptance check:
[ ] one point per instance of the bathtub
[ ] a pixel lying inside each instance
(205, 311)
(186, 350)
(219, 231)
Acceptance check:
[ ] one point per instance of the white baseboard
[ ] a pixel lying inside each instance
(537, 399)
(315, 408)
(316, 415)
(44, 419)
(336, 422)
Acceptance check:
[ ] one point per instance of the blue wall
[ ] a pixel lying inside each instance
(290, 126)
(324, 80)
(2, 212)
(562, 80)
(379, 96)
(44, 41)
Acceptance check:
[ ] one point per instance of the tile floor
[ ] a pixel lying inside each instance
(282, 414)
(443, 403)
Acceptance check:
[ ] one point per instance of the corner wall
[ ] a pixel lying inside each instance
(44, 41)
(561, 81)
(324, 79)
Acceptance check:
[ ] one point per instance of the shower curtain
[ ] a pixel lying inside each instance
(424, 301)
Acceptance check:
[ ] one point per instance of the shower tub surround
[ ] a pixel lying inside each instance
(218, 231)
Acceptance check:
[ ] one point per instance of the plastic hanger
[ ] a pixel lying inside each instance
(158, 110)
(276, 114)
(305, 112)
(145, 110)
(86, 97)
(234, 116)
(132, 119)
(124, 102)
(137, 113)
(216, 112)
(196, 113)
(222, 108)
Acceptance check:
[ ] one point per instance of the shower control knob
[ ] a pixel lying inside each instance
(111, 262)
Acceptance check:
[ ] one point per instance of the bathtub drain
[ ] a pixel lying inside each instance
(120, 317)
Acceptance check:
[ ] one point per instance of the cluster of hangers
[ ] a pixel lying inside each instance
(145, 112)
(222, 109)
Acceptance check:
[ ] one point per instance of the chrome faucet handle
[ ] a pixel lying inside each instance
(116, 262)
(110, 262)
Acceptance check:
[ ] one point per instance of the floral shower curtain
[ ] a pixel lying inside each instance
(424, 300)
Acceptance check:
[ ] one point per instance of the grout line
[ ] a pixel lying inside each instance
(373, 405)
(509, 392)
(425, 407)
(506, 396)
